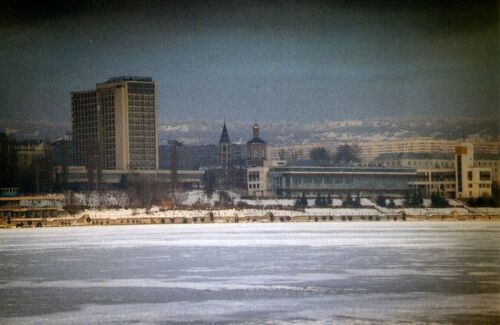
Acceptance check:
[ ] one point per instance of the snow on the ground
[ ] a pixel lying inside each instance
(256, 207)
(252, 212)
(384, 210)
(256, 212)
(398, 202)
(490, 211)
(108, 198)
(427, 203)
(342, 212)
(367, 202)
(270, 202)
(197, 197)
(455, 203)
(200, 197)
(433, 211)
(336, 203)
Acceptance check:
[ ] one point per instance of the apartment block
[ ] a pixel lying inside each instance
(115, 125)
(369, 150)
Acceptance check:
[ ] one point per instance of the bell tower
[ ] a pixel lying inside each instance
(225, 154)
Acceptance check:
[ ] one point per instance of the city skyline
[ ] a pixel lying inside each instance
(235, 161)
(259, 61)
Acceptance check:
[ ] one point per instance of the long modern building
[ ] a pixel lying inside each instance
(78, 178)
(464, 174)
(115, 125)
(275, 179)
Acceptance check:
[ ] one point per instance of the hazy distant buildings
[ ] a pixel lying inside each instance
(115, 125)
(370, 150)
(34, 166)
(7, 161)
(188, 157)
(62, 151)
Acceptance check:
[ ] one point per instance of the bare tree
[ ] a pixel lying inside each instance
(143, 191)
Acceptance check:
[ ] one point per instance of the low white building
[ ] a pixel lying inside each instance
(257, 178)
(471, 181)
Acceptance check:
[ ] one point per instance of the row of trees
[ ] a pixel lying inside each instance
(411, 199)
(382, 202)
(345, 155)
(484, 201)
(325, 201)
(414, 200)
(350, 202)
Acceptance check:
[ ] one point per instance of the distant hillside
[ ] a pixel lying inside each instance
(286, 133)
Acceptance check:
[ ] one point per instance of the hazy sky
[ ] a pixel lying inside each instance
(306, 60)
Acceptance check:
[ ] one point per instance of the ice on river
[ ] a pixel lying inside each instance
(443, 272)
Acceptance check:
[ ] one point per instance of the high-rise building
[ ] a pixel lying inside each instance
(115, 125)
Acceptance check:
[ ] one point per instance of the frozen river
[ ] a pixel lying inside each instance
(363, 272)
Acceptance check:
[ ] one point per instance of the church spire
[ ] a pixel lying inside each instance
(224, 137)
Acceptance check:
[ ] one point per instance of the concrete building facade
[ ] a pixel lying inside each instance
(461, 175)
(112, 179)
(293, 181)
(471, 181)
(258, 180)
(116, 124)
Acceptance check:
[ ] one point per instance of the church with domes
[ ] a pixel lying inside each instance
(235, 158)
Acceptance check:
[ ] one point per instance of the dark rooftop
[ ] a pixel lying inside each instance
(224, 137)
(129, 78)
(415, 155)
(256, 140)
(347, 169)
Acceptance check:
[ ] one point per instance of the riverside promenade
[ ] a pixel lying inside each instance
(160, 216)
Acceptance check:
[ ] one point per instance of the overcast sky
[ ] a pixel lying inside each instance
(307, 61)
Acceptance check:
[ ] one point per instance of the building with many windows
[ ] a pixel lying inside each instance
(113, 179)
(369, 150)
(115, 125)
(440, 172)
(291, 181)
(460, 175)
(471, 181)
(491, 161)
